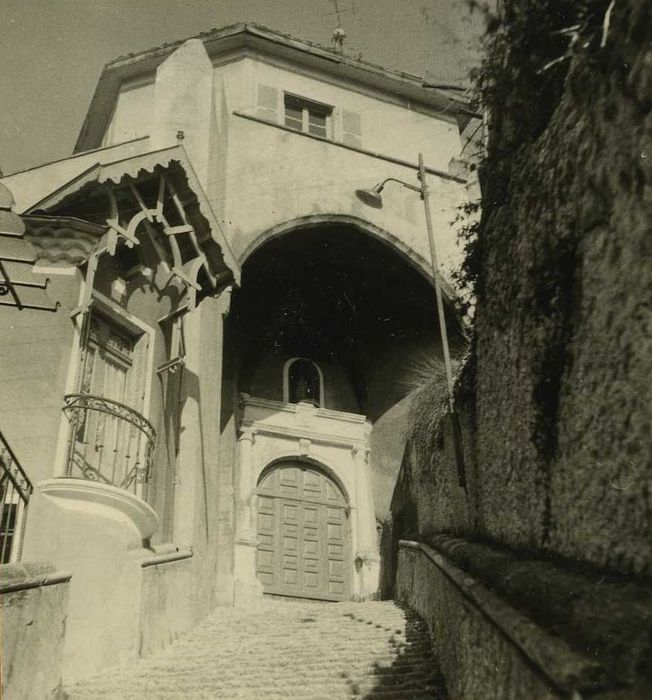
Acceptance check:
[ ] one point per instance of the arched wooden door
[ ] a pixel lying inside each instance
(303, 534)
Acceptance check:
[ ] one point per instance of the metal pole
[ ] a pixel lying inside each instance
(425, 195)
(455, 425)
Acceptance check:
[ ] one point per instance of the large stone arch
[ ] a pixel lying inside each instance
(418, 262)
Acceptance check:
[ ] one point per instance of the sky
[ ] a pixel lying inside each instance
(52, 51)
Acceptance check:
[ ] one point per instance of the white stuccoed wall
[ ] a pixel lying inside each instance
(258, 177)
(183, 101)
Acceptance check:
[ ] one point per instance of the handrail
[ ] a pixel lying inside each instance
(109, 442)
(12, 468)
(15, 491)
(100, 403)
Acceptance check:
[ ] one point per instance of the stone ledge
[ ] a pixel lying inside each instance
(608, 618)
(25, 575)
(549, 655)
(166, 554)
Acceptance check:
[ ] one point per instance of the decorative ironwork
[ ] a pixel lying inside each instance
(15, 490)
(109, 442)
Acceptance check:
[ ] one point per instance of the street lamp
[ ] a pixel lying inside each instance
(374, 199)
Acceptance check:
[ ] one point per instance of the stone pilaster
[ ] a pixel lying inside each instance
(247, 589)
(366, 556)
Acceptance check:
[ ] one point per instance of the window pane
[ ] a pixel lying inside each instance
(317, 123)
(293, 123)
(305, 115)
(293, 116)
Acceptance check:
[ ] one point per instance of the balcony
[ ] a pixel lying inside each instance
(109, 442)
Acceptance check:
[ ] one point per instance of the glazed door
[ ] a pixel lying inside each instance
(105, 443)
(303, 534)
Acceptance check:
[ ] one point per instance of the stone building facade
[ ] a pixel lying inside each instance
(232, 325)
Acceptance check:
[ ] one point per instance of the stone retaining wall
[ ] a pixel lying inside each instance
(34, 605)
(554, 400)
(506, 627)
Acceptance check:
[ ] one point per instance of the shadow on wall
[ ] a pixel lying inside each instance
(401, 524)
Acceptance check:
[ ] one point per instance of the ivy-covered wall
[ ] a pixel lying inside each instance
(556, 402)
(564, 319)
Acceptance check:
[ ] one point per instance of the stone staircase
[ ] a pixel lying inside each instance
(285, 649)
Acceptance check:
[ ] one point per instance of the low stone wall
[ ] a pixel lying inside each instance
(489, 649)
(167, 607)
(34, 603)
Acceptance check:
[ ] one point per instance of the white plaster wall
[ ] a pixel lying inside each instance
(258, 176)
(286, 176)
(393, 129)
(132, 113)
(269, 176)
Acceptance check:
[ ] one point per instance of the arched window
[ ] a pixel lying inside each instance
(303, 382)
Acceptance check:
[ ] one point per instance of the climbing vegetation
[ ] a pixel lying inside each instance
(529, 47)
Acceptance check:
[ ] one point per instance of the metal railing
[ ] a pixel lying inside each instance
(15, 490)
(109, 442)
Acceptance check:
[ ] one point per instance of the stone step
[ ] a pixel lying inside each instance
(285, 650)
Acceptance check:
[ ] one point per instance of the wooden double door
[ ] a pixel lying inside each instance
(303, 534)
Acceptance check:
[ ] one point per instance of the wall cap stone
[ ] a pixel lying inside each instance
(22, 576)
(551, 655)
(167, 557)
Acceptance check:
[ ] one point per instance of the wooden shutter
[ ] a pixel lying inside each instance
(267, 103)
(351, 128)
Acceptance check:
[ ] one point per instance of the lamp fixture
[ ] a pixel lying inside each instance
(372, 197)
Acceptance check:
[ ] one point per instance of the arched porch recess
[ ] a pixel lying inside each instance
(418, 262)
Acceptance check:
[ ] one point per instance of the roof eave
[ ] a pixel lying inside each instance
(257, 37)
(131, 167)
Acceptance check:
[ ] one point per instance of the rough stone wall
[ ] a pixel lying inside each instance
(563, 335)
(555, 401)
(428, 498)
(477, 660)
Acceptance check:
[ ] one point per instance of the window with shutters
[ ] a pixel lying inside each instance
(308, 116)
(267, 102)
(351, 128)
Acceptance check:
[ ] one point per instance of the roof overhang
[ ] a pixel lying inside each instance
(257, 39)
(117, 171)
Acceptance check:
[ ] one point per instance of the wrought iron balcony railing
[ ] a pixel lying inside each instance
(15, 490)
(109, 442)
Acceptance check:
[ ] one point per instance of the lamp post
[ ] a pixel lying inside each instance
(373, 199)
